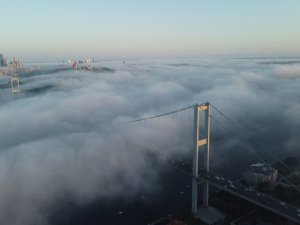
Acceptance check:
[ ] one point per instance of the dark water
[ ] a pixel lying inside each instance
(174, 194)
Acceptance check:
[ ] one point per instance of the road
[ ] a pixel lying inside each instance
(249, 194)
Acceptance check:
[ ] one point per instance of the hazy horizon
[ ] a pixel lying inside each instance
(55, 30)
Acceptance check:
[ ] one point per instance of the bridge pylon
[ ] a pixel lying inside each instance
(200, 139)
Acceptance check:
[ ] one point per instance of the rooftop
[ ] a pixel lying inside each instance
(261, 168)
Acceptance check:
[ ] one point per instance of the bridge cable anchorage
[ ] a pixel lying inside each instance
(258, 156)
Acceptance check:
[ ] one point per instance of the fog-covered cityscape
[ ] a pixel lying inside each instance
(159, 114)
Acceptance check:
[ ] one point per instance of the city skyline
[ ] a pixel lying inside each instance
(54, 29)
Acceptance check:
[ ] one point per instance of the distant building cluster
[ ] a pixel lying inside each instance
(3, 61)
(15, 64)
(260, 173)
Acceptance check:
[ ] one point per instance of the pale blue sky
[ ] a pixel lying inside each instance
(56, 29)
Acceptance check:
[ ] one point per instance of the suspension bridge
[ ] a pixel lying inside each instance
(193, 125)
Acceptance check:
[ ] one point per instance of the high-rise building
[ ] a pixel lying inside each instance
(3, 61)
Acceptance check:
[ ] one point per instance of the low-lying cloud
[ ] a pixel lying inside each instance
(60, 135)
(288, 72)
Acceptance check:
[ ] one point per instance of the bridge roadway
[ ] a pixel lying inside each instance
(249, 194)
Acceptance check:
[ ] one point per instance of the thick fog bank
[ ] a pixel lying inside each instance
(60, 135)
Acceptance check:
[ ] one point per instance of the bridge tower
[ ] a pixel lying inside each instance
(200, 140)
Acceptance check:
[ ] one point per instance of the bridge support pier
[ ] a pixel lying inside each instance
(200, 140)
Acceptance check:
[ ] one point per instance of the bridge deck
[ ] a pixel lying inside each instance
(269, 203)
